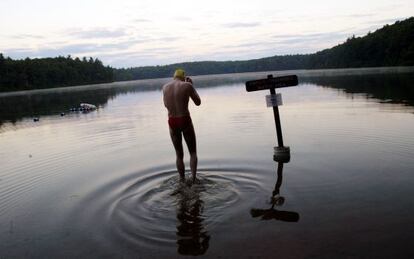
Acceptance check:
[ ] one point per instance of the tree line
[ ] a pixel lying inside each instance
(39, 73)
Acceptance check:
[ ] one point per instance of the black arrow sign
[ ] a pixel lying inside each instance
(274, 82)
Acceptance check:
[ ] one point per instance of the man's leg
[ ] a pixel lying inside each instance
(190, 139)
(176, 138)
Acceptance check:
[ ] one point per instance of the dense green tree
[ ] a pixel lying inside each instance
(51, 72)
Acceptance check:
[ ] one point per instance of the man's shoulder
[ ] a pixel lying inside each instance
(177, 83)
(167, 85)
(188, 85)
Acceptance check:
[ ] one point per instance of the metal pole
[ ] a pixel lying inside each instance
(277, 119)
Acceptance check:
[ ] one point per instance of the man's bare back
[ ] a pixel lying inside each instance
(176, 97)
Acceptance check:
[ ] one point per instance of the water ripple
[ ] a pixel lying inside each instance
(152, 209)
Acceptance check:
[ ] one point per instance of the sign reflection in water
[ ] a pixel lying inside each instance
(276, 200)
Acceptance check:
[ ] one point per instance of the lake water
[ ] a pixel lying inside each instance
(104, 185)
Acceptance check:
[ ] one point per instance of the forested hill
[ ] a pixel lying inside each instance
(30, 74)
(392, 45)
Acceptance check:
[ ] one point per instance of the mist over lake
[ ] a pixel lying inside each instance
(103, 184)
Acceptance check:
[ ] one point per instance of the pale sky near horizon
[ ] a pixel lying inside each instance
(127, 33)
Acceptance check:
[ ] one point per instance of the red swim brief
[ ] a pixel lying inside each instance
(179, 123)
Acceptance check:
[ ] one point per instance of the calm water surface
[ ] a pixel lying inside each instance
(103, 184)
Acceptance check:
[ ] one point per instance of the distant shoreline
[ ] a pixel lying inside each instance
(160, 81)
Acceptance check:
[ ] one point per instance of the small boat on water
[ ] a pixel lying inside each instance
(83, 107)
(87, 106)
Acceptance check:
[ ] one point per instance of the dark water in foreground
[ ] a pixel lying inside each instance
(103, 184)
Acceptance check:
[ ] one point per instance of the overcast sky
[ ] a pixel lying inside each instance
(125, 33)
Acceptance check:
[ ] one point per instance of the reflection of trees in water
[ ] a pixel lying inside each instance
(14, 108)
(17, 107)
(192, 237)
(394, 88)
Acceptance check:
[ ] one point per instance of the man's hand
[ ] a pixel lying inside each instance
(189, 80)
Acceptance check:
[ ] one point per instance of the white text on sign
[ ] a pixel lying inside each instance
(274, 100)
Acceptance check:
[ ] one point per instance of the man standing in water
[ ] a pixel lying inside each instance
(176, 96)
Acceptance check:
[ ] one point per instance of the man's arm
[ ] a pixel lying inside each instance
(163, 96)
(194, 95)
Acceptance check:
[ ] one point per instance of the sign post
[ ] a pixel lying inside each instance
(281, 153)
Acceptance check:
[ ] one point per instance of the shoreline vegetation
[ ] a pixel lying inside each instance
(43, 73)
(392, 45)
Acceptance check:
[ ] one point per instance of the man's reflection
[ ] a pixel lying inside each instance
(276, 200)
(192, 238)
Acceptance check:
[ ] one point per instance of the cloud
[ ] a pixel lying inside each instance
(167, 38)
(284, 44)
(385, 21)
(118, 54)
(182, 19)
(98, 33)
(27, 36)
(159, 52)
(156, 46)
(241, 24)
(140, 20)
(143, 57)
(335, 36)
(371, 26)
(360, 15)
(259, 49)
(71, 49)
